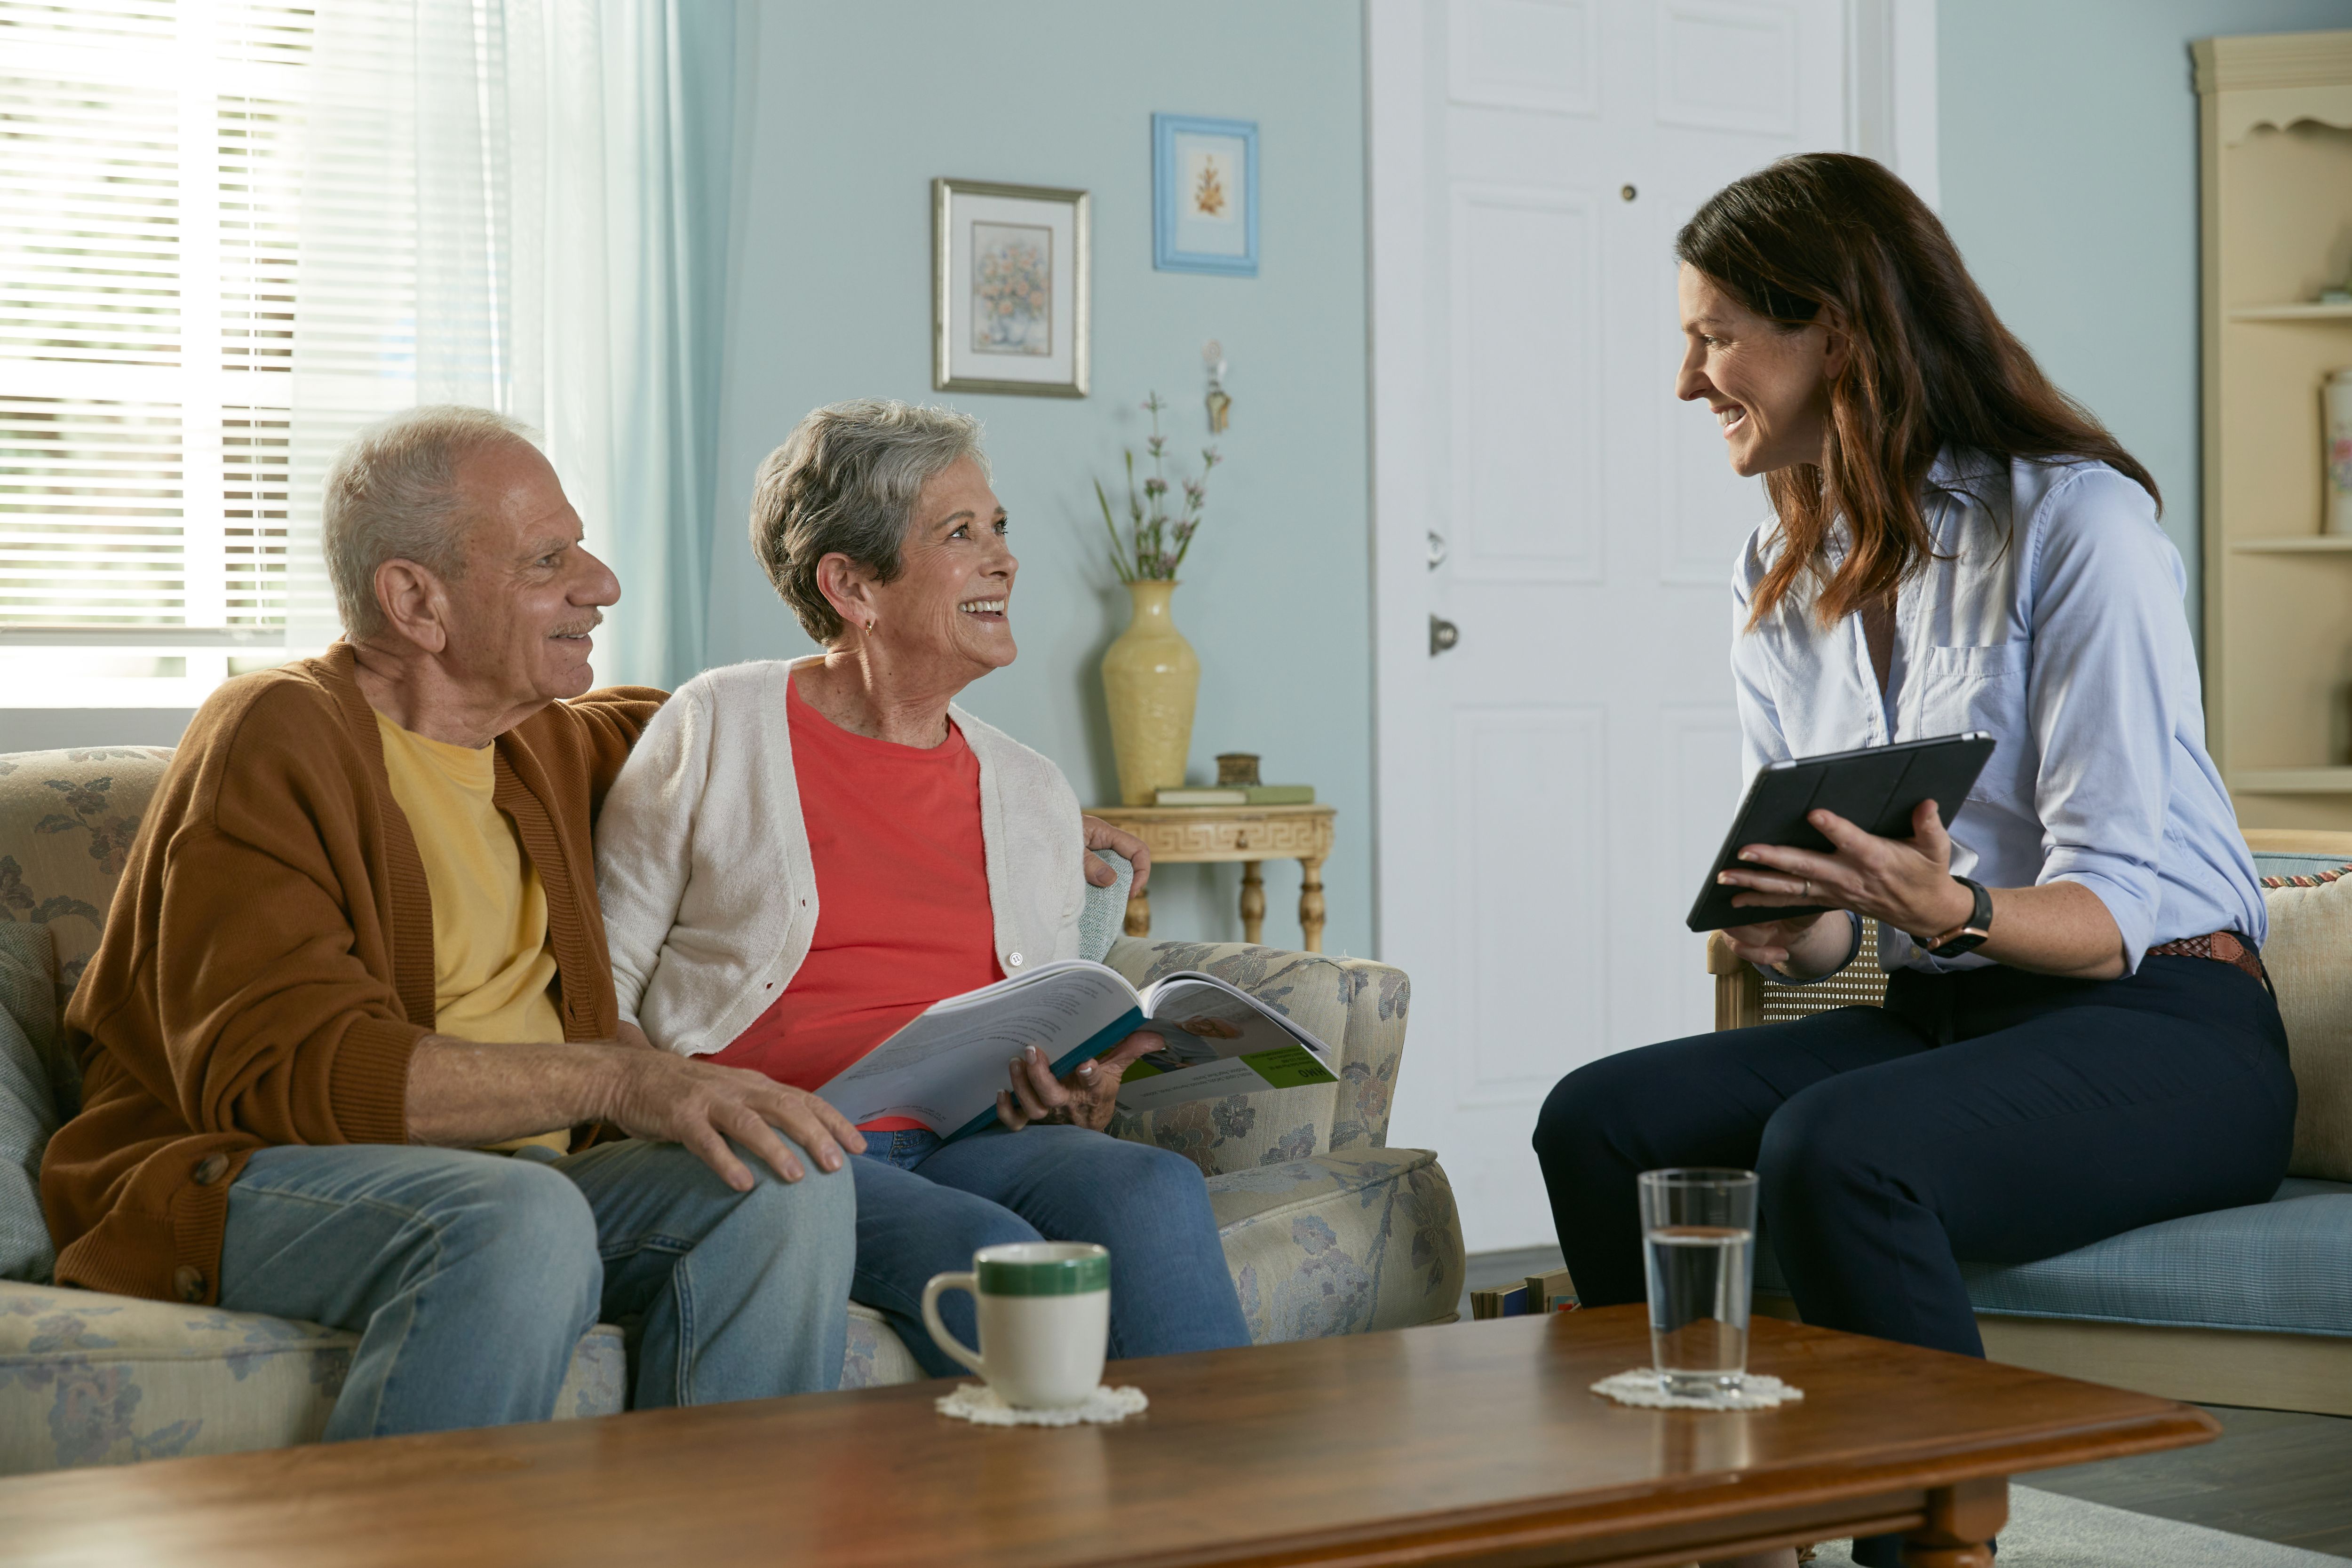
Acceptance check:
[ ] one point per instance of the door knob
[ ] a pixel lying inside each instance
(1436, 549)
(1442, 634)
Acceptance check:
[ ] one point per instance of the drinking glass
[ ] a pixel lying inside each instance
(1699, 1241)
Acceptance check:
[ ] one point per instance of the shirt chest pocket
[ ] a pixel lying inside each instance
(1964, 689)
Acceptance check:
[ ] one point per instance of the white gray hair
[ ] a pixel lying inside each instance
(391, 494)
(845, 481)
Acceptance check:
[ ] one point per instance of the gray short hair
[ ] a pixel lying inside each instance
(391, 494)
(845, 481)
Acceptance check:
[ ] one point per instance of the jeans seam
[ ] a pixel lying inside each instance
(654, 1241)
(408, 1319)
(681, 1284)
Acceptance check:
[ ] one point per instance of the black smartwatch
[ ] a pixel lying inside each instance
(1972, 933)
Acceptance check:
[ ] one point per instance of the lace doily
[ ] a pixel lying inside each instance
(1642, 1386)
(978, 1403)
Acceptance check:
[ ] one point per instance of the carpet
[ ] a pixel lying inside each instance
(2047, 1531)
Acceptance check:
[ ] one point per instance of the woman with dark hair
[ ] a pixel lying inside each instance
(2078, 1039)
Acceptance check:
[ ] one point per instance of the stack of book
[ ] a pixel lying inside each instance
(1237, 794)
(1552, 1291)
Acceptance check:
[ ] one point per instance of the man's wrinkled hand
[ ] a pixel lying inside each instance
(677, 1099)
(1083, 1099)
(1101, 835)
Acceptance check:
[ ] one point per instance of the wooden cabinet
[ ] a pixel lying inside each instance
(2276, 178)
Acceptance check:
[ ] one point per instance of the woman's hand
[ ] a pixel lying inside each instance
(1783, 945)
(1101, 835)
(1083, 1099)
(1903, 882)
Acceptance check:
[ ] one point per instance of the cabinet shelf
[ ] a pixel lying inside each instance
(2297, 544)
(2305, 312)
(2291, 781)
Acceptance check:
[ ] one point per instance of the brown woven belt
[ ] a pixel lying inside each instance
(2227, 947)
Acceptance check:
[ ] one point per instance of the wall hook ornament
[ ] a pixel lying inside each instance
(1220, 405)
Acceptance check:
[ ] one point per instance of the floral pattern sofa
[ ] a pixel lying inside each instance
(1325, 1228)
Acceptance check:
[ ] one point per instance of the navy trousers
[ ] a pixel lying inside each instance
(1989, 1115)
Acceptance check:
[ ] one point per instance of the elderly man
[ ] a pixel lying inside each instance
(357, 943)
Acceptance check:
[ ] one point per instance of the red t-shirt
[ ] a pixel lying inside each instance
(903, 917)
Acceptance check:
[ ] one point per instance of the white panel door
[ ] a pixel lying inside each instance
(1551, 787)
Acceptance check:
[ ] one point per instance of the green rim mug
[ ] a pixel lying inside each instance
(1043, 1309)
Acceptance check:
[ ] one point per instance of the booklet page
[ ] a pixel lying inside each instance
(1220, 1041)
(944, 1068)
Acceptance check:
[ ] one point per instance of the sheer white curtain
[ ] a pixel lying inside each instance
(522, 205)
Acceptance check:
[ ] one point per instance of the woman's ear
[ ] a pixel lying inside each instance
(849, 588)
(1837, 347)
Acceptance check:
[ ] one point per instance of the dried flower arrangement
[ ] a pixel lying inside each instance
(1157, 540)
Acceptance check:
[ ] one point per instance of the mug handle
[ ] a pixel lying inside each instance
(947, 1341)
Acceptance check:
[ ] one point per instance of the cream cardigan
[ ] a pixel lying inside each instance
(703, 867)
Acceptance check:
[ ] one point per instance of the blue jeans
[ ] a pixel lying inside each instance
(469, 1277)
(925, 1207)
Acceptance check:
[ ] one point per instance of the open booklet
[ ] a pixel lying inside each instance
(944, 1068)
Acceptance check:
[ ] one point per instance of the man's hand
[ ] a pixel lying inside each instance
(1101, 835)
(677, 1100)
(1083, 1099)
(462, 1093)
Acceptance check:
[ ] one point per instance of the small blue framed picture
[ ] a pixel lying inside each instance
(1204, 195)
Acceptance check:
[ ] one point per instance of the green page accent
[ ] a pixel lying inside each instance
(1288, 1067)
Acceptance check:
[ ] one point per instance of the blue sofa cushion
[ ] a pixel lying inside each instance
(2286, 868)
(2285, 1267)
(2280, 1267)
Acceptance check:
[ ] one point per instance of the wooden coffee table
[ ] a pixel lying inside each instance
(1466, 1444)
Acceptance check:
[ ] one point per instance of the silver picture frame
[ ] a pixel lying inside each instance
(987, 260)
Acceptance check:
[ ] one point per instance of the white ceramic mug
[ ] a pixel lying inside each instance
(1044, 1320)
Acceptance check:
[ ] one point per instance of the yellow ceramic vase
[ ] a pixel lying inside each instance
(1151, 678)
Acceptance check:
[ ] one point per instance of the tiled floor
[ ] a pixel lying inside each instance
(2272, 1474)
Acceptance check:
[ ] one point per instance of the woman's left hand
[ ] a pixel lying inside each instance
(1903, 882)
(1101, 835)
(1083, 1099)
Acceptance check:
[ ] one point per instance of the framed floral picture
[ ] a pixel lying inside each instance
(1204, 195)
(1008, 292)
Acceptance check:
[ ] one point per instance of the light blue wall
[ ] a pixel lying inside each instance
(849, 111)
(2068, 138)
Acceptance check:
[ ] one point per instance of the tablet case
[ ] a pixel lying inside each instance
(1877, 788)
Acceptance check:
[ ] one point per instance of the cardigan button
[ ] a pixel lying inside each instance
(189, 1282)
(1013, 960)
(210, 1169)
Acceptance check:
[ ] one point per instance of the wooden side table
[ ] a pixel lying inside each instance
(1178, 834)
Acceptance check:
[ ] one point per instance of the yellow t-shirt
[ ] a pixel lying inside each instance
(491, 966)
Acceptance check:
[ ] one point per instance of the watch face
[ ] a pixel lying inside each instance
(1967, 942)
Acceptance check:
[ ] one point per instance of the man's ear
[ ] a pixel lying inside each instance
(414, 602)
(847, 587)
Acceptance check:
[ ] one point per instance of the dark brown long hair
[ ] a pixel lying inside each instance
(1930, 366)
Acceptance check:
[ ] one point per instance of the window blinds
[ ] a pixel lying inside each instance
(150, 156)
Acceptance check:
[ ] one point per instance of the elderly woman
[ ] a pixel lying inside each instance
(803, 855)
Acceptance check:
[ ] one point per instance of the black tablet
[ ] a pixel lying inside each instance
(1877, 788)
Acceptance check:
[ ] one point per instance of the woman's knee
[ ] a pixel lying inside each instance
(1120, 1176)
(1585, 1109)
(1822, 1139)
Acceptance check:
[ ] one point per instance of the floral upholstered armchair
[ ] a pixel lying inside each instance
(1327, 1230)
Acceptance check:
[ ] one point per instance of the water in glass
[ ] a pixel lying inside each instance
(1699, 1241)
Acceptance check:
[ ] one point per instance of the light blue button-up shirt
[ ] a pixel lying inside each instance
(2049, 617)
